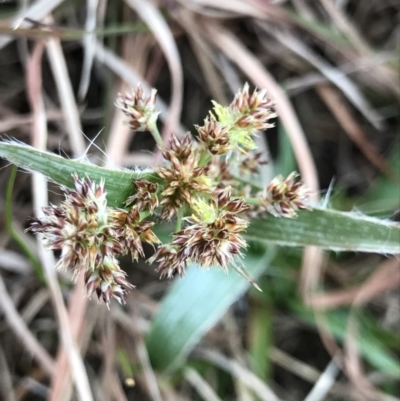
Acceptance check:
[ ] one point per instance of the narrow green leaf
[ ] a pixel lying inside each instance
(118, 183)
(374, 351)
(328, 229)
(384, 195)
(193, 305)
(37, 267)
(286, 162)
(260, 337)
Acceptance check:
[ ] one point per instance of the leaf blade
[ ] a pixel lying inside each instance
(180, 323)
(328, 229)
(118, 183)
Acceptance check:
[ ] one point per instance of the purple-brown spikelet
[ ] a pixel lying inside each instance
(146, 197)
(91, 235)
(255, 110)
(184, 177)
(140, 109)
(212, 237)
(202, 182)
(284, 196)
(214, 136)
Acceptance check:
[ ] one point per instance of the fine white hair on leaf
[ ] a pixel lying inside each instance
(82, 159)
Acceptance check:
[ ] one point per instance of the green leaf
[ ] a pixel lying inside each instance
(260, 337)
(328, 229)
(286, 162)
(384, 195)
(193, 305)
(118, 183)
(376, 353)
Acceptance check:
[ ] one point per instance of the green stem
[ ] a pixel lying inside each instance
(30, 255)
(179, 217)
(156, 135)
(204, 159)
(244, 181)
(253, 201)
(144, 214)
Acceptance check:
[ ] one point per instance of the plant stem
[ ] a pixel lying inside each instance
(156, 135)
(179, 217)
(30, 255)
(253, 201)
(204, 159)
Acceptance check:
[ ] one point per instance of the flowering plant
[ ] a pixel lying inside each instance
(205, 185)
(196, 185)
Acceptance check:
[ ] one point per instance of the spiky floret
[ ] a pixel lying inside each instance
(107, 281)
(145, 197)
(184, 177)
(212, 237)
(132, 231)
(78, 227)
(169, 262)
(255, 110)
(240, 121)
(140, 109)
(284, 196)
(91, 235)
(214, 136)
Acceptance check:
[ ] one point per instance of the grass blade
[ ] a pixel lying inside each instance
(180, 322)
(118, 183)
(329, 229)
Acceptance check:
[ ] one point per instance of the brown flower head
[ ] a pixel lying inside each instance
(145, 197)
(141, 111)
(107, 281)
(132, 231)
(181, 149)
(214, 136)
(285, 195)
(85, 231)
(185, 178)
(168, 261)
(213, 236)
(244, 117)
(79, 227)
(255, 110)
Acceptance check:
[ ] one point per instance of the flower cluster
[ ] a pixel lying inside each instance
(284, 196)
(203, 184)
(211, 238)
(91, 236)
(232, 128)
(184, 177)
(141, 111)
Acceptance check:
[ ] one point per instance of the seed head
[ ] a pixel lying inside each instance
(184, 177)
(90, 235)
(132, 231)
(214, 136)
(145, 197)
(141, 111)
(285, 195)
(244, 117)
(255, 110)
(107, 281)
(169, 263)
(213, 235)
(79, 227)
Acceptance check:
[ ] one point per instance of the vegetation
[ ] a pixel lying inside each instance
(275, 284)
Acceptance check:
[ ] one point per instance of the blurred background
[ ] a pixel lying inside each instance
(326, 326)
